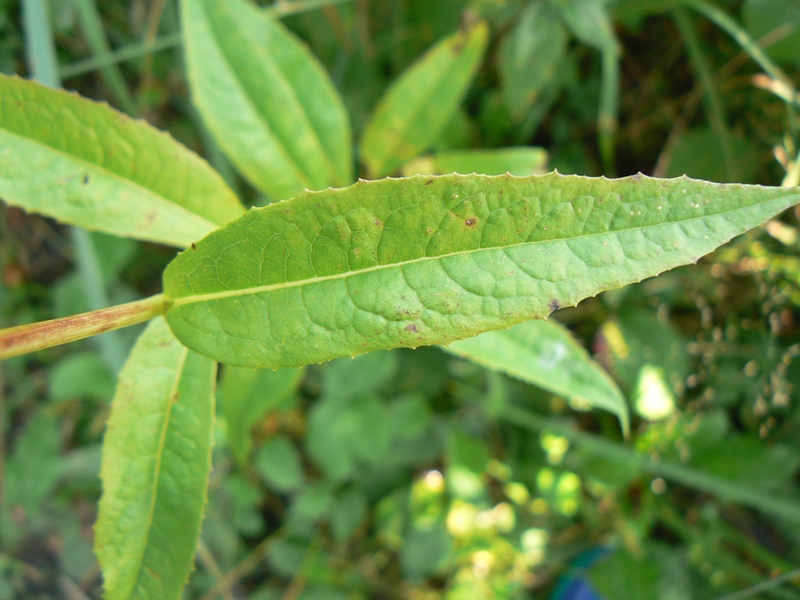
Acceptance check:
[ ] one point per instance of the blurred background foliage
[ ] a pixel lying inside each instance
(392, 475)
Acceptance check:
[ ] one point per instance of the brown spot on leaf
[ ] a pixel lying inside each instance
(411, 327)
(470, 222)
(378, 223)
(430, 181)
(194, 246)
(554, 305)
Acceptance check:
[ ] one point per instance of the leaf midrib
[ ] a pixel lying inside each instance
(344, 275)
(158, 197)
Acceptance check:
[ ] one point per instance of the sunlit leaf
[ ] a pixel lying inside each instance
(417, 108)
(545, 354)
(428, 260)
(156, 464)
(86, 164)
(265, 98)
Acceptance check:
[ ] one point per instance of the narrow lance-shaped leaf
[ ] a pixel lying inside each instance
(427, 260)
(86, 164)
(265, 98)
(418, 106)
(156, 464)
(545, 354)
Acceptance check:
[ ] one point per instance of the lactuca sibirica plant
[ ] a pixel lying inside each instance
(345, 269)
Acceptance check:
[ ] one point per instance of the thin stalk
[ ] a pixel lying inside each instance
(92, 26)
(750, 46)
(134, 51)
(785, 509)
(713, 101)
(112, 349)
(47, 334)
(41, 54)
(607, 120)
(38, 42)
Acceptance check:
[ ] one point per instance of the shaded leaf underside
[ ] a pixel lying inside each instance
(427, 260)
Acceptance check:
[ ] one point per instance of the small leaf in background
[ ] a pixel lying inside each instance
(545, 354)
(530, 56)
(514, 161)
(156, 464)
(351, 377)
(699, 154)
(428, 260)
(649, 359)
(86, 164)
(775, 17)
(266, 99)
(425, 552)
(32, 471)
(345, 433)
(348, 511)
(280, 465)
(81, 376)
(419, 105)
(623, 576)
(246, 396)
(467, 457)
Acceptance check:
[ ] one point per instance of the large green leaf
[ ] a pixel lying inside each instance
(86, 164)
(265, 98)
(156, 464)
(427, 260)
(545, 354)
(419, 105)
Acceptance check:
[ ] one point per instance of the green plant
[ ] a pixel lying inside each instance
(381, 264)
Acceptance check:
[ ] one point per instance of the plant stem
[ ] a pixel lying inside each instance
(46, 334)
(783, 508)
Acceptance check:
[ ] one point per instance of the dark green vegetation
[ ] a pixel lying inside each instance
(409, 473)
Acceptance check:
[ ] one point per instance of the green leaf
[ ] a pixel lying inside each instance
(514, 161)
(86, 164)
(246, 396)
(156, 464)
(265, 98)
(531, 55)
(280, 465)
(418, 106)
(545, 354)
(428, 260)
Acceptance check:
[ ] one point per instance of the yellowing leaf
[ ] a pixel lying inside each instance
(427, 260)
(418, 106)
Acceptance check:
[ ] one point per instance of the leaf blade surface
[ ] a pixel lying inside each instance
(417, 107)
(545, 354)
(86, 164)
(427, 260)
(265, 98)
(155, 468)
